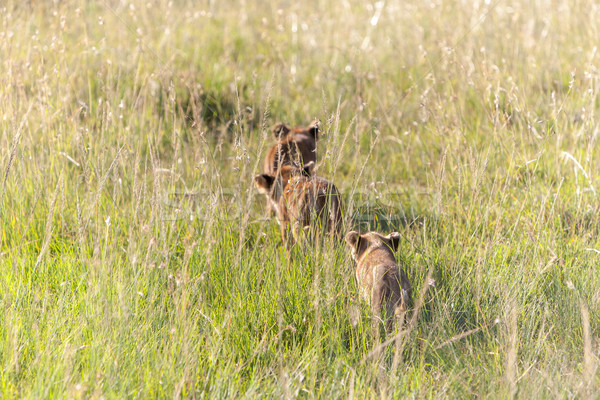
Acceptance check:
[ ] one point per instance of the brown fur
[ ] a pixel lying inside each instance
(294, 146)
(299, 199)
(380, 281)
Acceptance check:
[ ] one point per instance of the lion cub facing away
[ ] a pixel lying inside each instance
(300, 199)
(380, 281)
(294, 145)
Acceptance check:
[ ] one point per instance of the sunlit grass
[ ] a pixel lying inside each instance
(136, 258)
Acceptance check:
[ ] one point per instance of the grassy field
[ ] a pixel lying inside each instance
(136, 259)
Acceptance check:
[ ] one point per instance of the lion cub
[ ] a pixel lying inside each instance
(380, 281)
(294, 145)
(300, 199)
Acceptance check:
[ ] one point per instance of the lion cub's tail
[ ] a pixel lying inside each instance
(401, 309)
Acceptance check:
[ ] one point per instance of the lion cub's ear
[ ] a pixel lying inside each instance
(264, 183)
(313, 129)
(352, 238)
(308, 168)
(281, 130)
(394, 239)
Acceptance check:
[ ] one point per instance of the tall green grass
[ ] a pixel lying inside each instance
(136, 259)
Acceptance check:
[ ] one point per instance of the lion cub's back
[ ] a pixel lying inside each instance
(306, 197)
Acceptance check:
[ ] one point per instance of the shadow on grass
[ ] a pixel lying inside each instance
(217, 110)
(578, 223)
(386, 219)
(213, 109)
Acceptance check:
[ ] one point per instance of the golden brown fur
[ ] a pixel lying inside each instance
(295, 146)
(380, 281)
(301, 200)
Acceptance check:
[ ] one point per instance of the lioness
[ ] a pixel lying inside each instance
(380, 281)
(294, 145)
(299, 199)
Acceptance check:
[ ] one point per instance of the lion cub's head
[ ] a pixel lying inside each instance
(281, 130)
(362, 245)
(272, 185)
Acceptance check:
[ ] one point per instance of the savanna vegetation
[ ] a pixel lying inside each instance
(136, 257)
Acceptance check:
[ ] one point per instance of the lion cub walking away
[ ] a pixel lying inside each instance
(301, 201)
(380, 281)
(294, 146)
